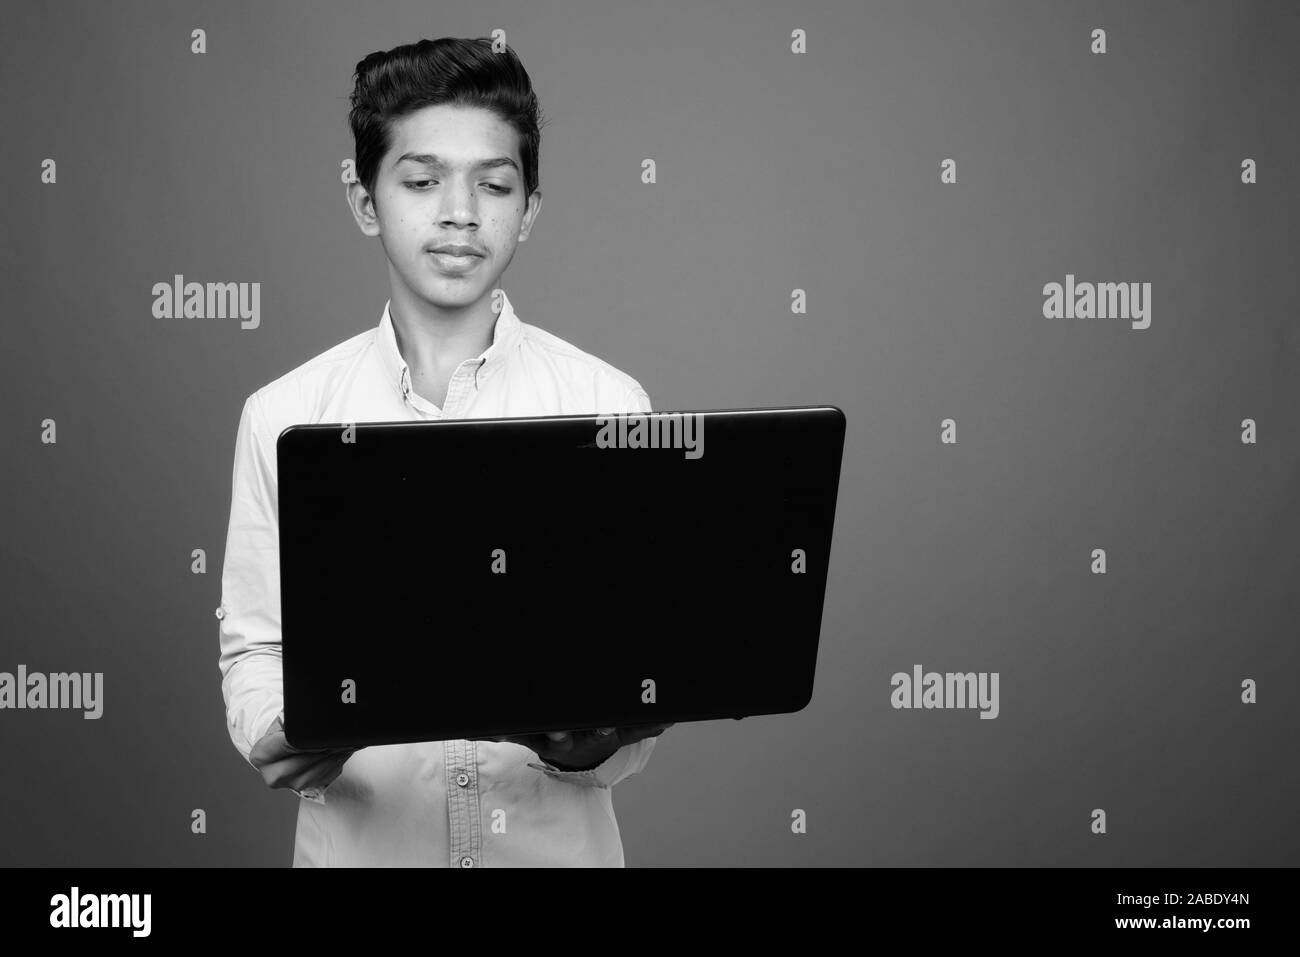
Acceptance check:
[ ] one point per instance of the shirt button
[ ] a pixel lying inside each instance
(221, 613)
(467, 862)
(462, 779)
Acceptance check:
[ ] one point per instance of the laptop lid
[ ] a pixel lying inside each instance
(467, 578)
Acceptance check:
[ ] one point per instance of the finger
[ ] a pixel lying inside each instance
(578, 740)
(269, 750)
(561, 742)
(265, 752)
(272, 747)
(276, 774)
(310, 775)
(533, 742)
(289, 747)
(275, 738)
(320, 774)
(330, 778)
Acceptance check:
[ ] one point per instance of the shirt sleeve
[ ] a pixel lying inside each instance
(630, 758)
(249, 632)
(639, 401)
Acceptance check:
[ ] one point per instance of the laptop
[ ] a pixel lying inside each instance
(473, 578)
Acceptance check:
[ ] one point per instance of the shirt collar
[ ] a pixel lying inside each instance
(505, 333)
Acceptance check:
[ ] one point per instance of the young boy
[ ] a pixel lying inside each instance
(447, 136)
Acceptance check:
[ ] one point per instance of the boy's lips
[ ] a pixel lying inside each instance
(456, 249)
(449, 263)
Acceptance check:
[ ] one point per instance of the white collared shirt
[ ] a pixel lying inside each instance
(441, 803)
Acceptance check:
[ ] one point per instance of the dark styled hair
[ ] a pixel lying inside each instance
(452, 71)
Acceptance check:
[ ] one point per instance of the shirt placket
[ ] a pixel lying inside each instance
(460, 758)
(460, 390)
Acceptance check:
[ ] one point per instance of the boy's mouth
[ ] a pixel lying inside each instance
(452, 263)
(456, 249)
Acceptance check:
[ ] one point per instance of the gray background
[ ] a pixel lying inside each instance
(776, 171)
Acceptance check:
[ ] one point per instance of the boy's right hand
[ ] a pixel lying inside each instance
(284, 766)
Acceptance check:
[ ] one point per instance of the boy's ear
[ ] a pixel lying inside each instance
(363, 210)
(530, 214)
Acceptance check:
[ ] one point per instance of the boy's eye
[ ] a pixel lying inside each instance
(499, 189)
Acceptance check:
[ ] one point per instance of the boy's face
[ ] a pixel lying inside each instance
(441, 184)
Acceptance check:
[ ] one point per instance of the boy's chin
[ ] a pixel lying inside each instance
(455, 293)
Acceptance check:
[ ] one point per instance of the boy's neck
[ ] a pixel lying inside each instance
(435, 341)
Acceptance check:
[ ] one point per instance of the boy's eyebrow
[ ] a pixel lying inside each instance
(431, 159)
